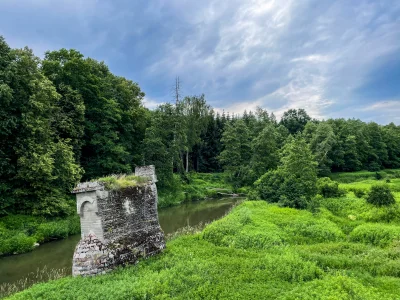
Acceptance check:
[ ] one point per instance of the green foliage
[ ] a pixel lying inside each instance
(381, 195)
(19, 233)
(264, 150)
(38, 166)
(293, 184)
(16, 243)
(198, 186)
(117, 182)
(237, 153)
(322, 141)
(358, 192)
(376, 234)
(328, 188)
(295, 120)
(268, 186)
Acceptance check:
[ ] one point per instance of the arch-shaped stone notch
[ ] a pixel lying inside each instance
(118, 226)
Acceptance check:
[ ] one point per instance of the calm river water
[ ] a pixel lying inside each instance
(58, 254)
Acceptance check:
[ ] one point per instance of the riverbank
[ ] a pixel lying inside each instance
(21, 233)
(347, 249)
(54, 260)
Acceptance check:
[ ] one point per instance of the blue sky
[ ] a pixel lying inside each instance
(333, 58)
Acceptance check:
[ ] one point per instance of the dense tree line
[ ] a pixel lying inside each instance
(336, 144)
(62, 118)
(66, 118)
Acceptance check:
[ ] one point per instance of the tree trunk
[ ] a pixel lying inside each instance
(187, 161)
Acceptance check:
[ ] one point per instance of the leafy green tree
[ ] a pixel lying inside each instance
(381, 195)
(236, 155)
(294, 181)
(195, 111)
(108, 138)
(377, 152)
(295, 120)
(163, 142)
(350, 156)
(40, 164)
(264, 151)
(321, 144)
(391, 138)
(211, 147)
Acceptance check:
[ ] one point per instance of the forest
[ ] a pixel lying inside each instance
(66, 118)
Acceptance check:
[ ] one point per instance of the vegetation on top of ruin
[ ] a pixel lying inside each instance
(122, 181)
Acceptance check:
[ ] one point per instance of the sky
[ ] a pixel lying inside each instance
(333, 58)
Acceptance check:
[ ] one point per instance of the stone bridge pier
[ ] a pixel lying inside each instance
(118, 227)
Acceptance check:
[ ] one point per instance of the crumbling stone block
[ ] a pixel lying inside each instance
(118, 227)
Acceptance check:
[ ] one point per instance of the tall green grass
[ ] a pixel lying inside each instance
(258, 251)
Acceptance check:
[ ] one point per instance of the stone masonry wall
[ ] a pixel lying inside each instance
(129, 227)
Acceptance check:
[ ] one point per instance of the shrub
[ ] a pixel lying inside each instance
(378, 176)
(359, 193)
(315, 204)
(328, 188)
(253, 195)
(268, 186)
(52, 230)
(18, 243)
(312, 230)
(380, 195)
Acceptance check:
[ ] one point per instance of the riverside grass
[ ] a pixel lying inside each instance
(19, 233)
(348, 250)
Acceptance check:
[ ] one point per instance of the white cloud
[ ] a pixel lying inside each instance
(259, 42)
(315, 58)
(392, 106)
(151, 103)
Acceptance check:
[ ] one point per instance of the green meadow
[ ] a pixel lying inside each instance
(344, 249)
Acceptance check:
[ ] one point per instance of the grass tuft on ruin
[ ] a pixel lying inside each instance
(122, 181)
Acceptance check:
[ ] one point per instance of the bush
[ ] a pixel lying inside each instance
(268, 186)
(378, 176)
(315, 204)
(52, 231)
(381, 195)
(18, 243)
(359, 193)
(328, 188)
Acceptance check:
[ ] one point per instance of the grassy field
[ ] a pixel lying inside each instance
(348, 249)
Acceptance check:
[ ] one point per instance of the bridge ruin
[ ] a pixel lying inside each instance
(118, 226)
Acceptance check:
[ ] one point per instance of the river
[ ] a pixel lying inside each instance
(58, 254)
